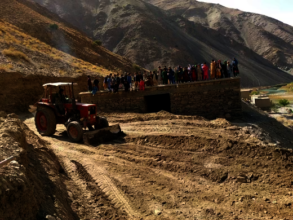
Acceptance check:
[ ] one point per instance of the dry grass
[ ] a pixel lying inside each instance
(62, 72)
(13, 37)
(5, 67)
(15, 54)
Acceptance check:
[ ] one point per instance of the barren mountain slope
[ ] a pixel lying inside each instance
(150, 37)
(30, 44)
(266, 36)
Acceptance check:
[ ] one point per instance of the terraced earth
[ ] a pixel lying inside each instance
(180, 167)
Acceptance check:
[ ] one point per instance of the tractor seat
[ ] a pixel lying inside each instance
(53, 99)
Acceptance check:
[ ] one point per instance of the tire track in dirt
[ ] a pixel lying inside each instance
(107, 186)
(91, 171)
(111, 190)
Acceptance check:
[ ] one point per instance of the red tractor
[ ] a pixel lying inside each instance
(60, 107)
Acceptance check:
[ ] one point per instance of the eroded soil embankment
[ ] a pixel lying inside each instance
(36, 186)
(31, 187)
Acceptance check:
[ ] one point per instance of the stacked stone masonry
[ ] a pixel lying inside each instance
(211, 99)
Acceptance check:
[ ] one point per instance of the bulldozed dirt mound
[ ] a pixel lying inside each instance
(36, 186)
(180, 167)
(31, 186)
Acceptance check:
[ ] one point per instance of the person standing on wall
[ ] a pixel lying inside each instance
(129, 80)
(155, 81)
(199, 72)
(193, 73)
(213, 69)
(205, 69)
(176, 75)
(185, 75)
(180, 74)
(89, 83)
(229, 70)
(225, 69)
(96, 83)
(165, 76)
(159, 76)
(141, 85)
(109, 81)
(137, 80)
(218, 69)
(189, 73)
(105, 83)
(235, 67)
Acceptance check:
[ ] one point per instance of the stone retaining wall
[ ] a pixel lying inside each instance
(18, 91)
(211, 99)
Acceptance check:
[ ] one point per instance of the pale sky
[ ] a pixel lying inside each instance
(281, 10)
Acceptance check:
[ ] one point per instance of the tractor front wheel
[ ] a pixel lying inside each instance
(74, 131)
(45, 121)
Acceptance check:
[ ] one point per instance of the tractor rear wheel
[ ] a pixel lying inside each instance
(45, 121)
(74, 131)
(102, 122)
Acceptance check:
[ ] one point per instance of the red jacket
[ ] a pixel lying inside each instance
(205, 69)
(141, 85)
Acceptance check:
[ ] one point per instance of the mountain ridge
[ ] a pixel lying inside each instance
(266, 36)
(152, 36)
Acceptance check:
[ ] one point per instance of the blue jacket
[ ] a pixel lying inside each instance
(129, 79)
(171, 74)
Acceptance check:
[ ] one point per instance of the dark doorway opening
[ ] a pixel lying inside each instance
(156, 103)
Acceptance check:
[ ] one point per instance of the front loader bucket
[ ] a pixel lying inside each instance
(102, 135)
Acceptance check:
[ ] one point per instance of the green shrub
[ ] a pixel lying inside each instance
(136, 67)
(284, 102)
(54, 27)
(255, 92)
(98, 42)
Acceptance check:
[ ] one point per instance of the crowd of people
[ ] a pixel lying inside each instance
(191, 73)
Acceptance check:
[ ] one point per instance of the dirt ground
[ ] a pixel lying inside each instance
(181, 167)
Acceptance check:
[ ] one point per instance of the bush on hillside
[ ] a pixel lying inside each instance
(15, 54)
(54, 27)
(255, 92)
(284, 102)
(97, 42)
(136, 67)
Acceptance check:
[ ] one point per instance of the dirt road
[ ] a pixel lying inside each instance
(178, 167)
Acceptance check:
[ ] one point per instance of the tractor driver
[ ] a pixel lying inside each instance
(59, 101)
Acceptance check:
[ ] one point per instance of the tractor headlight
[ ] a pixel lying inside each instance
(89, 117)
(94, 116)
(89, 112)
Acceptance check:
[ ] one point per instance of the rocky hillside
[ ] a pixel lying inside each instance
(266, 36)
(150, 36)
(35, 41)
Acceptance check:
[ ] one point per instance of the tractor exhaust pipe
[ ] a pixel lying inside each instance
(73, 99)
